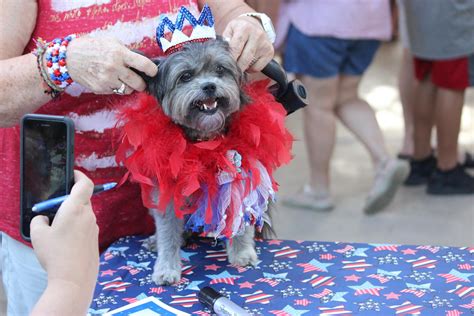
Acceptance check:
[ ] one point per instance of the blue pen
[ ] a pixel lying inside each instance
(45, 205)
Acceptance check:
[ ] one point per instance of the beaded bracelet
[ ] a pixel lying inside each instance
(56, 61)
(56, 77)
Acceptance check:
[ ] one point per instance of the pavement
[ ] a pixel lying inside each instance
(412, 218)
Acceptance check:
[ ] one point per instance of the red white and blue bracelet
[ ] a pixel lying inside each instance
(55, 74)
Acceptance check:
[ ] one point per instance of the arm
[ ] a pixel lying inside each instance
(20, 80)
(68, 250)
(247, 39)
(98, 65)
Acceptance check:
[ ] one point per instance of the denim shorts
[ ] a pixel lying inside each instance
(324, 57)
(24, 279)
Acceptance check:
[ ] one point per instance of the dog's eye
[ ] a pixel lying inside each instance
(220, 70)
(186, 77)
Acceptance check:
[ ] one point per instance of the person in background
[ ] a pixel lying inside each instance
(441, 39)
(68, 250)
(408, 85)
(329, 46)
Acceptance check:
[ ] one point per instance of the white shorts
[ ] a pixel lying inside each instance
(24, 279)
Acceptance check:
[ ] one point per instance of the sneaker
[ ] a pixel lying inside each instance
(420, 171)
(386, 183)
(454, 181)
(308, 199)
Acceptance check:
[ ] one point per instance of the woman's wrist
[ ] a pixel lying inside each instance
(52, 64)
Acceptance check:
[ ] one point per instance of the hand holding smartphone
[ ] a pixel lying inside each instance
(46, 163)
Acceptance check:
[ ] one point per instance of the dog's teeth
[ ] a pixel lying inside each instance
(205, 106)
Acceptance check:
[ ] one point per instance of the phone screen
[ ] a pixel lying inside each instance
(45, 159)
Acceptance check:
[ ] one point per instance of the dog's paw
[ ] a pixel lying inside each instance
(243, 257)
(166, 276)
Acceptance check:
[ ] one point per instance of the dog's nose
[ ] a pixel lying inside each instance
(209, 87)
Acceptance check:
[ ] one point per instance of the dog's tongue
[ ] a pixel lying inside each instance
(209, 103)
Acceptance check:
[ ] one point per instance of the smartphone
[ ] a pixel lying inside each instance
(46, 163)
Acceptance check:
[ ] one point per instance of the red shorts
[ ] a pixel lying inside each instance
(456, 74)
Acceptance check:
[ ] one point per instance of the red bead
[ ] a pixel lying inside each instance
(57, 72)
(64, 43)
(69, 80)
(49, 63)
(55, 52)
(62, 62)
(57, 82)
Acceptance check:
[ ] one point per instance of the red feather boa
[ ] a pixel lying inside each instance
(157, 153)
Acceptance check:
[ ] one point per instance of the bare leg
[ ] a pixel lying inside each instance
(320, 130)
(241, 251)
(169, 230)
(449, 104)
(359, 118)
(424, 117)
(407, 86)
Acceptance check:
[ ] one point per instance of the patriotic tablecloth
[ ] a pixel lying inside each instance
(299, 278)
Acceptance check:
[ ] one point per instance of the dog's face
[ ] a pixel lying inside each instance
(199, 87)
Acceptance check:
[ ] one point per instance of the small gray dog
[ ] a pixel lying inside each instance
(198, 87)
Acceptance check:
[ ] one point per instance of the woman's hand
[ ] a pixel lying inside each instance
(102, 65)
(68, 249)
(249, 43)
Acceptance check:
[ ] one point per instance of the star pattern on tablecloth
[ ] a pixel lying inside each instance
(352, 277)
(382, 279)
(246, 285)
(360, 252)
(186, 255)
(408, 251)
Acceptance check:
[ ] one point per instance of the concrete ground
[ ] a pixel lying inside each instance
(413, 217)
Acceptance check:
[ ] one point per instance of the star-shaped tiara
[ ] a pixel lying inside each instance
(202, 29)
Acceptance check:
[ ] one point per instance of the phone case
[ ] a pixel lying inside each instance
(69, 157)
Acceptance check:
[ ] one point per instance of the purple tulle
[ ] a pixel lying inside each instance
(248, 208)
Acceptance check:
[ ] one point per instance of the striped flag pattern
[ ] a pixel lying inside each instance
(271, 282)
(157, 290)
(322, 294)
(429, 248)
(379, 277)
(462, 291)
(423, 262)
(184, 300)
(358, 265)
(257, 297)
(219, 255)
(317, 281)
(417, 293)
(337, 310)
(303, 302)
(345, 249)
(285, 252)
(465, 266)
(386, 248)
